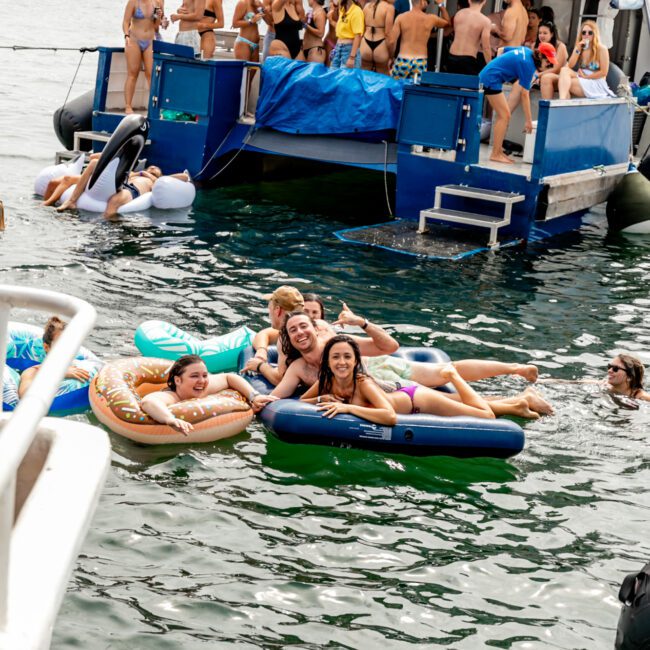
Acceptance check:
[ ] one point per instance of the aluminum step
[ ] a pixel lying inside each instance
(481, 193)
(469, 218)
(460, 216)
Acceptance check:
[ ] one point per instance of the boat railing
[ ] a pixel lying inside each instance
(30, 576)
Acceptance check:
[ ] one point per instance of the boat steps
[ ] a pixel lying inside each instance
(507, 199)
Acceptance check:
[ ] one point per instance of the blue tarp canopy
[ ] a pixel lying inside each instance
(310, 98)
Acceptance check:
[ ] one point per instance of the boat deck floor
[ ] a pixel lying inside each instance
(518, 167)
(439, 242)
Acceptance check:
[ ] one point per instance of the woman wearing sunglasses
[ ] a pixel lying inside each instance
(625, 377)
(592, 59)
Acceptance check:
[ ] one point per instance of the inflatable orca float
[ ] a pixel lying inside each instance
(119, 157)
(628, 206)
(633, 630)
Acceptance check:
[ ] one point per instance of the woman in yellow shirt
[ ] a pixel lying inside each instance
(349, 30)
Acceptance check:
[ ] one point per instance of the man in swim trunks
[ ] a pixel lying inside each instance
(190, 14)
(414, 28)
(471, 34)
(137, 183)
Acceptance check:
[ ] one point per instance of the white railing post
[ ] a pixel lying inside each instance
(18, 432)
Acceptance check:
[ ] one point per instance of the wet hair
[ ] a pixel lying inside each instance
(314, 297)
(288, 350)
(320, 2)
(552, 28)
(634, 370)
(53, 327)
(325, 376)
(178, 368)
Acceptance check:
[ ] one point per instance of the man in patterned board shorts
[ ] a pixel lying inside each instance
(414, 29)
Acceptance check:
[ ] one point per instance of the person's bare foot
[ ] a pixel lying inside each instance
(501, 158)
(68, 205)
(536, 402)
(447, 372)
(528, 372)
(128, 110)
(522, 410)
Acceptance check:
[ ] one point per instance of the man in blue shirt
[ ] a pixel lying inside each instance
(514, 64)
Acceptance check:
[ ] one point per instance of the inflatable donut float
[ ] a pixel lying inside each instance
(117, 390)
(24, 350)
(156, 338)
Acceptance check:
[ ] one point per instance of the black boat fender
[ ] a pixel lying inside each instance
(633, 630)
(125, 146)
(628, 206)
(76, 115)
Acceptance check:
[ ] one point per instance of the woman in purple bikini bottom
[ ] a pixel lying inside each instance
(343, 387)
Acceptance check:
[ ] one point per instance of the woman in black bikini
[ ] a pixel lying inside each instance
(288, 18)
(379, 16)
(213, 14)
(313, 47)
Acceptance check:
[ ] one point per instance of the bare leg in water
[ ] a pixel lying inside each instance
(71, 203)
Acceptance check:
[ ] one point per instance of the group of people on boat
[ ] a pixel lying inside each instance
(348, 373)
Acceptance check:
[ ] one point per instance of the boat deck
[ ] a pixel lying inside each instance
(438, 243)
(518, 167)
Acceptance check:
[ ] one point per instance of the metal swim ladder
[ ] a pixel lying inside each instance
(51, 474)
(471, 218)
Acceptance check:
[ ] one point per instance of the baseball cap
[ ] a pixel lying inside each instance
(548, 51)
(286, 297)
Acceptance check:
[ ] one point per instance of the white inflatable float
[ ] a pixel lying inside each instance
(51, 172)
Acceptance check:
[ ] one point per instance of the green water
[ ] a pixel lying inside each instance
(258, 544)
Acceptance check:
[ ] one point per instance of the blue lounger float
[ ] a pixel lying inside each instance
(298, 422)
(24, 350)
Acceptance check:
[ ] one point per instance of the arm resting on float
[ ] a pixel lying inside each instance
(157, 404)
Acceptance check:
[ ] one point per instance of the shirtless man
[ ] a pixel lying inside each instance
(514, 25)
(376, 348)
(414, 28)
(138, 183)
(303, 340)
(285, 300)
(471, 34)
(190, 13)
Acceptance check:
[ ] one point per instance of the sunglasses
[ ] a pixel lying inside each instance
(587, 32)
(611, 366)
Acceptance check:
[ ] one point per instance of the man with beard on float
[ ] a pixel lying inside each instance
(303, 345)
